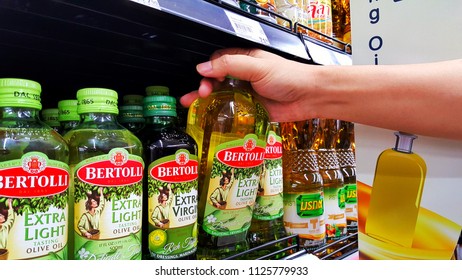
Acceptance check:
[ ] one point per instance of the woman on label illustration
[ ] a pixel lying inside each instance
(161, 212)
(220, 194)
(6, 223)
(89, 222)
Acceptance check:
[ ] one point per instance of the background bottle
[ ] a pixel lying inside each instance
(31, 150)
(333, 183)
(396, 193)
(317, 15)
(347, 162)
(67, 115)
(267, 220)
(107, 165)
(303, 185)
(169, 201)
(131, 117)
(50, 116)
(227, 124)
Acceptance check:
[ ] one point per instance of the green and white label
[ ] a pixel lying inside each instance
(107, 207)
(234, 182)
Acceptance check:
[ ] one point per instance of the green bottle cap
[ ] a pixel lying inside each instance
(159, 105)
(50, 116)
(20, 93)
(68, 110)
(133, 99)
(97, 100)
(157, 90)
(131, 113)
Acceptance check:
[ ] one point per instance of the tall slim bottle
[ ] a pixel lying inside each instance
(230, 130)
(50, 116)
(396, 193)
(329, 167)
(347, 161)
(303, 185)
(107, 166)
(267, 219)
(35, 177)
(67, 115)
(170, 184)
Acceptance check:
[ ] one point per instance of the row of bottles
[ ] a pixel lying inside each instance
(219, 187)
(321, 17)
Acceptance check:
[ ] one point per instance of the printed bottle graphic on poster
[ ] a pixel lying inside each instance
(230, 130)
(34, 178)
(396, 193)
(107, 168)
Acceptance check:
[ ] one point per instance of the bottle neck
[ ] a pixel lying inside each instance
(99, 117)
(19, 113)
(162, 120)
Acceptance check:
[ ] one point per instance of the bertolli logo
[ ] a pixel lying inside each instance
(177, 169)
(248, 154)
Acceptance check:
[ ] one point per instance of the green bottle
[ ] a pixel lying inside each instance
(107, 166)
(67, 115)
(230, 130)
(267, 219)
(131, 117)
(35, 177)
(50, 116)
(170, 189)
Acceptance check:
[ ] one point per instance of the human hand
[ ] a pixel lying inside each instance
(281, 84)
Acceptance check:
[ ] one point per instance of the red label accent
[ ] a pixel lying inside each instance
(33, 182)
(242, 157)
(177, 171)
(274, 151)
(107, 173)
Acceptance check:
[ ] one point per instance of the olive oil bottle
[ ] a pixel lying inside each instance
(170, 185)
(267, 222)
(67, 115)
(303, 184)
(107, 166)
(230, 130)
(333, 183)
(35, 177)
(396, 193)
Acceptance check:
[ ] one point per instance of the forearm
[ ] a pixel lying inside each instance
(422, 99)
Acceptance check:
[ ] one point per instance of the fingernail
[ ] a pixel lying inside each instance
(204, 67)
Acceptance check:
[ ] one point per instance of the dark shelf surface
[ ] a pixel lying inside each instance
(127, 45)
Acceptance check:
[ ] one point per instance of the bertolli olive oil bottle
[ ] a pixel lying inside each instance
(230, 130)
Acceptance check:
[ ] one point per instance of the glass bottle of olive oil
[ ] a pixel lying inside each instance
(170, 188)
(303, 184)
(107, 165)
(230, 130)
(67, 115)
(332, 182)
(267, 222)
(35, 178)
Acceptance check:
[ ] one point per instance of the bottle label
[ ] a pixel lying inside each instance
(33, 208)
(351, 207)
(304, 215)
(107, 206)
(234, 181)
(172, 204)
(335, 213)
(269, 202)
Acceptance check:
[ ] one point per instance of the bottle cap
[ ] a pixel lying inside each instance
(68, 110)
(20, 93)
(157, 90)
(133, 99)
(131, 113)
(404, 142)
(50, 116)
(159, 105)
(97, 100)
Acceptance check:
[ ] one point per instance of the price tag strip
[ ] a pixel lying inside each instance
(247, 28)
(150, 3)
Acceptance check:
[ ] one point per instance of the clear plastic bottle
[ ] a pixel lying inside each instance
(35, 177)
(230, 130)
(333, 183)
(107, 165)
(303, 184)
(67, 115)
(267, 222)
(170, 192)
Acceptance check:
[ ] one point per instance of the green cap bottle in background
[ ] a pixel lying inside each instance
(157, 90)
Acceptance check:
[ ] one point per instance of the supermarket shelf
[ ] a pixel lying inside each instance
(129, 44)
